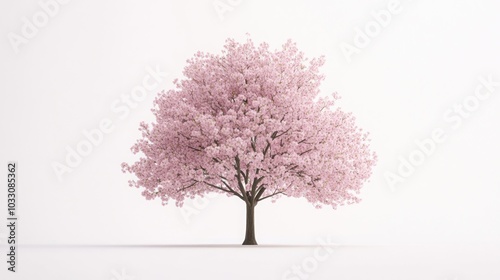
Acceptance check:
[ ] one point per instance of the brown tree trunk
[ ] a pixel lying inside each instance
(250, 227)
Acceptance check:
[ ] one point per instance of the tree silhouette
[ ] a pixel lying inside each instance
(249, 123)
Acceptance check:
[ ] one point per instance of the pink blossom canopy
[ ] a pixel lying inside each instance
(248, 123)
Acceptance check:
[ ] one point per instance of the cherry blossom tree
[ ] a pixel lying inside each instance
(249, 123)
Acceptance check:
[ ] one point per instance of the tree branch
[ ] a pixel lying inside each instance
(187, 187)
(273, 194)
(255, 183)
(216, 160)
(260, 191)
(276, 134)
(225, 190)
(238, 177)
(305, 152)
(253, 142)
(231, 189)
(266, 148)
(182, 134)
(196, 149)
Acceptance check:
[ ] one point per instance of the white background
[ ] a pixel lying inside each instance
(441, 222)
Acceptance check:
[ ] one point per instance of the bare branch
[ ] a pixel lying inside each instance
(266, 148)
(255, 183)
(273, 194)
(227, 186)
(283, 118)
(225, 190)
(187, 187)
(306, 152)
(260, 191)
(182, 134)
(245, 175)
(238, 178)
(196, 149)
(302, 141)
(253, 142)
(276, 134)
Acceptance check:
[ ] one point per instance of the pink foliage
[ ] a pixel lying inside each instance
(247, 123)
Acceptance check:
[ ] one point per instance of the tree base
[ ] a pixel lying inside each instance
(249, 242)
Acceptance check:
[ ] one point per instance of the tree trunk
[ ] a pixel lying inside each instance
(250, 228)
